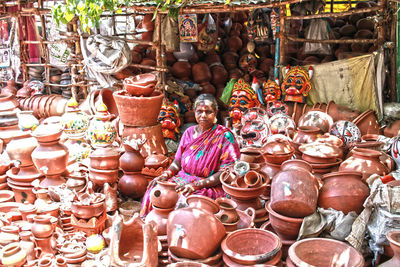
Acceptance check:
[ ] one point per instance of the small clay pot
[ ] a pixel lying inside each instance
(42, 226)
(88, 211)
(133, 184)
(286, 228)
(163, 195)
(227, 213)
(104, 159)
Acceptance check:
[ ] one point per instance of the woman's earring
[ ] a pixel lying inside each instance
(215, 120)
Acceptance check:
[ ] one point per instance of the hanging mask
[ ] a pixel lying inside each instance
(297, 84)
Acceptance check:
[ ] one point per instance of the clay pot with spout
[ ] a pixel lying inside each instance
(294, 190)
(343, 191)
(163, 195)
(194, 232)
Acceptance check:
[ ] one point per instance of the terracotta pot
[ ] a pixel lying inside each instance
(330, 139)
(234, 43)
(343, 191)
(367, 123)
(277, 151)
(244, 193)
(227, 213)
(163, 195)
(320, 153)
(104, 159)
(27, 244)
(182, 70)
(23, 194)
(88, 211)
(100, 177)
(10, 88)
(394, 240)
(324, 252)
(141, 85)
(251, 246)
(393, 129)
(156, 160)
(338, 112)
(294, 190)
(21, 149)
(44, 247)
(270, 169)
(286, 228)
(8, 234)
(194, 232)
(160, 217)
(219, 75)
(128, 208)
(42, 226)
(131, 160)
(13, 255)
(131, 108)
(316, 118)
(208, 88)
(230, 60)
(6, 196)
(201, 73)
(365, 161)
(306, 134)
(133, 184)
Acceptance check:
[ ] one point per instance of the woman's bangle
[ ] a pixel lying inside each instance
(169, 172)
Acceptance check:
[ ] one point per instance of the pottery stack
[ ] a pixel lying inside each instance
(55, 78)
(139, 95)
(163, 198)
(133, 183)
(42, 229)
(294, 195)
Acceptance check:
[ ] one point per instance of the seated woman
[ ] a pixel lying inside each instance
(203, 150)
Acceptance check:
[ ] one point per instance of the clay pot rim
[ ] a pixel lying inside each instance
(103, 171)
(211, 202)
(232, 203)
(251, 258)
(282, 217)
(370, 137)
(364, 152)
(250, 189)
(124, 94)
(366, 144)
(308, 129)
(390, 237)
(362, 116)
(309, 166)
(298, 262)
(341, 173)
(318, 166)
(8, 194)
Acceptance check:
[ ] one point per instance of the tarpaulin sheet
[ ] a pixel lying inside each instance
(353, 82)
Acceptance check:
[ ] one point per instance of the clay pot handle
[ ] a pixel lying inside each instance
(38, 252)
(251, 212)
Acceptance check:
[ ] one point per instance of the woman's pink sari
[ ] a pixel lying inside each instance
(201, 158)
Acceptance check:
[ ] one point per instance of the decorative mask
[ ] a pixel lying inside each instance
(347, 131)
(243, 97)
(296, 85)
(169, 119)
(271, 91)
(255, 130)
(277, 107)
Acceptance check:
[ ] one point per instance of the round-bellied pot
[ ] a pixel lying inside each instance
(294, 190)
(323, 252)
(227, 213)
(88, 211)
(42, 226)
(160, 217)
(131, 160)
(163, 195)
(104, 158)
(343, 191)
(138, 111)
(285, 227)
(133, 184)
(306, 134)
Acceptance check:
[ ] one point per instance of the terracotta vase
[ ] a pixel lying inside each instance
(133, 184)
(160, 217)
(42, 226)
(194, 232)
(27, 245)
(131, 160)
(227, 213)
(182, 70)
(325, 251)
(13, 255)
(163, 195)
(294, 190)
(394, 240)
(365, 161)
(286, 228)
(343, 191)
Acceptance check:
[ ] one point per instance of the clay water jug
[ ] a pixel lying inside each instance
(132, 160)
(163, 195)
(133, 184)
(42, 226)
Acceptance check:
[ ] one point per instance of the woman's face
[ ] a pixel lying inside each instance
(205, 115)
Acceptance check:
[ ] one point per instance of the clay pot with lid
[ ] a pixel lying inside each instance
(163, 195)
(343, 191)
(365, 161)
(13, 255)
(194, 232)
(294, 190)
(324, 253)
(277, 151)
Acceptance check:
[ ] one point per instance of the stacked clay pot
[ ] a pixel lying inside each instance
(133, 183)
(104, 166)
(44, 106)
(228, 214)
(42, 230)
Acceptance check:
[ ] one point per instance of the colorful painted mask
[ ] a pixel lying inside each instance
(255, 130)
(243, 97)
(277, 107)
(271, 91)
(169, 119)
(347, 131)
(296, 85)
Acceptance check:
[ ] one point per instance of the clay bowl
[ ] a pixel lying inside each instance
(285, 227)
(88, 211)
(367, 123)
(6, 196)
(4, 186)
(244, 193)
(251, 246)
(322, 251)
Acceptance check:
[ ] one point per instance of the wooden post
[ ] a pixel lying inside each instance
(282, 36)
(158, 45)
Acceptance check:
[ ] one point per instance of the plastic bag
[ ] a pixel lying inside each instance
(317, 30)
(169, 33)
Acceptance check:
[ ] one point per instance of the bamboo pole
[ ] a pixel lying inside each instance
(44, 47)
(48, 42)
(282, 35)
(335, 15)
(382, 24)
(156, 68)
(23, 51)
(349, 41)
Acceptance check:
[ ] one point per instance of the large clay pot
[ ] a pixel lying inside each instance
(133, 184)
(131, 160)
(194, 232)
(160, 217)
(394, 239)
(365, 161)
(163, 195)
(182, 70)
(306, 134)
(294, 190)
(27, 245)
(13, 255)
(201, 73)
(21, 149)
(104, 159)
(316, 118)
(131, 109)
(324, 252)
(367, 123)
(42, 226)
(286, 228)
(343, 191)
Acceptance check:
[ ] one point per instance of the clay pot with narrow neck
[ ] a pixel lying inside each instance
(294, 190)
(13, 255)
(227, 213)
(159, 216)
(365, 161)
(194, 232)
(131, 160)
(42, 226)
(21, 149)
(343, 191)
(163, 195)
(133, 184)
(27, 245)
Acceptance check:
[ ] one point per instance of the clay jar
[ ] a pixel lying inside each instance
(27, 245)
(365, 161)
(104, 159)
(306, 134)
(133, 184)
(294, 190)
(286, 228)
(343, 191)
(163, 195)
(42, 226)
(182, 70)
(21, 149)
(194, 232)
(13, 255)
(160, 217)
(227, 213)
(394, 239)
(219, 75)
(201, 73)
(131, 160)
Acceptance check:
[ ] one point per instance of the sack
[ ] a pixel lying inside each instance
(259, 27)
(317, 30)
(169, 33)
(208, 34)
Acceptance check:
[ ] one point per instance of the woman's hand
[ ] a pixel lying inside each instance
(163, 177)
(186, 189)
